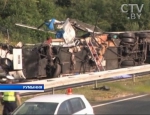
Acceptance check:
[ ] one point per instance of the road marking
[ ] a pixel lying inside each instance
(119, 100)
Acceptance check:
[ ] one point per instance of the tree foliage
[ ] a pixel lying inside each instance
(107, 14)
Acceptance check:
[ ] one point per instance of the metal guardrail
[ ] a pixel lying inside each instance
(76, 79)
(52, 90)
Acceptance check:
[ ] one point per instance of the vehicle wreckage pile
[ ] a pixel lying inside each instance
(68, 53)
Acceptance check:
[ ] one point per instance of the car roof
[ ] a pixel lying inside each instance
(56, 98)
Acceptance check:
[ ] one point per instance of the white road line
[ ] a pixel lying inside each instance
(119, 101)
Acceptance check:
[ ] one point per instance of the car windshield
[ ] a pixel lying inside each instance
(36, 108)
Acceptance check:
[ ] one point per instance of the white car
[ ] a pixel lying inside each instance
(55, 105)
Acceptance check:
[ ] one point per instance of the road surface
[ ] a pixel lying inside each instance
(133, 105)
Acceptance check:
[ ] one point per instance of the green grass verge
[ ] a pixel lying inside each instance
(118, 89)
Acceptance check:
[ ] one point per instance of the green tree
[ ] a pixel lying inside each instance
(63, 3)
(107, 14)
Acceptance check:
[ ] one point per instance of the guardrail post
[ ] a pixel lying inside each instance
(95, 84)
(53, 90)
(133, 77)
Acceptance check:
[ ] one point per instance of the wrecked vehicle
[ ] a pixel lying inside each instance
(70, 54)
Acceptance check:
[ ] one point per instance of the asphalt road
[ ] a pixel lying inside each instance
(131, 105)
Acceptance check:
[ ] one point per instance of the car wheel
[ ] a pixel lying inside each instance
(143, 35)
(6, 63)
(57, 71)
(128, 40)
(127, 63)
(127, 35)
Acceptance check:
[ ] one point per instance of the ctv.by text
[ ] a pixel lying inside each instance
(125, 8)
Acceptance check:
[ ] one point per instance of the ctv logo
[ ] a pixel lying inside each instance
(134, 10)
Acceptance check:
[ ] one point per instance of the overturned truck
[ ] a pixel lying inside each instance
(90, 52)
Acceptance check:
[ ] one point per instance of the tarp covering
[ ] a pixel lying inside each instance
(59, 34)
(122, 76)
(75, 23)
(85, 27)
(69, 32)
(66, 28)
(50, 24)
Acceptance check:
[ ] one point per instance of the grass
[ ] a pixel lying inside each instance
(118, 89)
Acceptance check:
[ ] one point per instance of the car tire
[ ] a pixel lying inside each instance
(6, 63)
(57, 71)
(143, 35)
(55, 50)
(127, 63)
(127, 35)
(128, 40)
